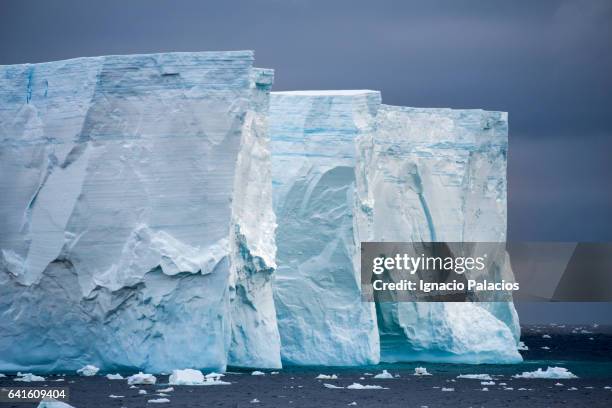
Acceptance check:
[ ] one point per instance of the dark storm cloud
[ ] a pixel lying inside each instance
(547, 63)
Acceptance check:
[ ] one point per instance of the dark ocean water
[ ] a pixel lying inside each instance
(585, 351)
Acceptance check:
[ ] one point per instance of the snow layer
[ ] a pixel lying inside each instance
(438, 175)
(321, 318)
(122, 241)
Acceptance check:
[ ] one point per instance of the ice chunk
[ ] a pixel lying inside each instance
(487, 383)
(88, 370)
(546, 336)
(326, 377)
(332, 386)
(550, 372)
(314, 140)
(142, 392)
(421, 371)
(141, 378)
(385, 375)
(158, 401)
(114, 377)
(169, 389)
(116, 396)
(186, 377)
(2, 375)
(138, 209)
(28, 377)
(485, 389)
(483, 377)
(258, 373)
(254, 401)
(522, 346)
(439, 175)
(447, 389)
(53, 404)
(357, 386)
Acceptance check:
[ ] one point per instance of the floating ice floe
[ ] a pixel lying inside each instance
(421, 371)
(254, 401)
(169, 389)
(28, 377)
(116, 396)
(522, 346)
(357, 386)
(368, 374)
(187, 376)
(385, 375)
(572, 389)
(546, 336)
(141, 378)
(142, 392)
(485, 389)
(508, 389)
(447, 389)
(53, 404)
(88, 370)
(352, 403)
(545, 348)
(114, 377)
(258, 373)
(326, 377)
(331, 386)
(484, 377)
(59, 380)
(158, 401)
(550, 372)
(162, 394)
(558, 384)
(487, 383)
(2, 375)
(274, 373)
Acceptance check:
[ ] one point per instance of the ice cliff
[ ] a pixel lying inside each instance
(439, 175)
(136, 227)
(322, 320)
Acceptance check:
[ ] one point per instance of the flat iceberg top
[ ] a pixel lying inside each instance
(213, 56)
(327, 92)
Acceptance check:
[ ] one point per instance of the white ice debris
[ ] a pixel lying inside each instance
(357, 386)
(114, 377)
(522, 346)
(485, 389)
(550, 372)
(487, 383)
(447, 389)
(28, 377)
(572, 389)
(352, 403)
(385, 375)
(421, 371)
(331, 386)
(116, 396)
(558, 384)
(258, 373)
(546, 336)
(158, 401)
(169, 389)
(274, 373)
(141, 378)
(326, 377)
(254, 401)
(88, 370)
(142, 392)
(2, 375)
(484, 377)
(187, 376)
(545, 348)
(53, 404)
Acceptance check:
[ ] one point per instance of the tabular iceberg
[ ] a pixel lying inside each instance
(321, 318)
(438, 175)
(125, 237)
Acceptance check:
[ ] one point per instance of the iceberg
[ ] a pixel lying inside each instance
(429, 175)
(321, 318)
(550, 372)
(136, 227)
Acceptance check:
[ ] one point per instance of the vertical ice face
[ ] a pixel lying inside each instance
(255, 338)
(120, 203)
(438, 175)
(321, 318)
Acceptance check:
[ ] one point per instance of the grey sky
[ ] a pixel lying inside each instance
(547, 62)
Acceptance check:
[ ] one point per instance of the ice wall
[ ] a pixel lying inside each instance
(321, 318)
(119, 219)
(438, 175)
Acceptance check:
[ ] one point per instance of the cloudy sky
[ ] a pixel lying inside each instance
(548, 63)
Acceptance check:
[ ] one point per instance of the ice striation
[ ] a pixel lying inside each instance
(136, 227)
(321, 318)
(430, 175)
